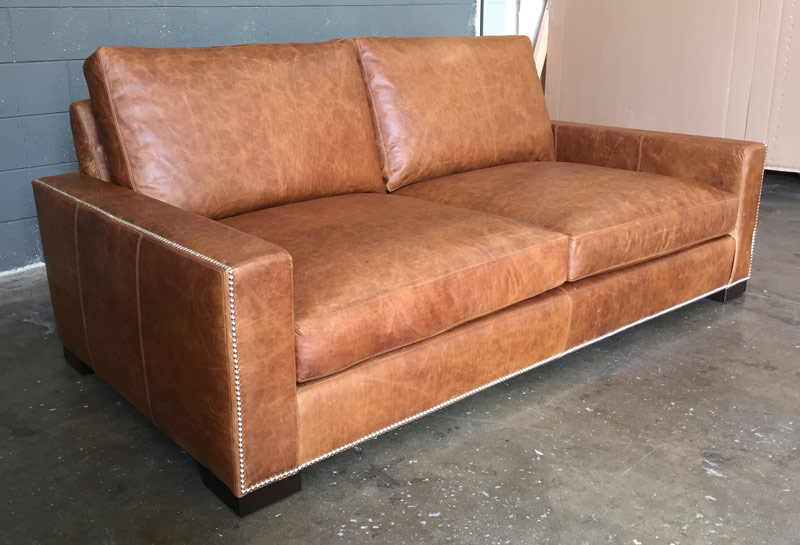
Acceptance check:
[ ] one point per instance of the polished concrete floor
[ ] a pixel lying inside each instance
(683, 430)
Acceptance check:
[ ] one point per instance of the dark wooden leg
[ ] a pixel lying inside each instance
(723, 296)
(76, 363)
(254, 500)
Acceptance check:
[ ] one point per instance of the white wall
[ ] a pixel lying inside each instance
(503, 17)
(722, 68)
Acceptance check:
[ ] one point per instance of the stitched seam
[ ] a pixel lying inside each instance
(80, 287)
(117, 128)
(449, 329)
(465, 395)
(374, 110)
(758, 208)
(273, 257)
(467, 326)
(139, 325)
(639, 158)
(132, 226)
(639, 261)
(196, 254)
(555, 141)
(618, 226)
(299, 324)
(79, 132)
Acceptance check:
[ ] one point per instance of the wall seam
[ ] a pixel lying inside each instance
(17, 169)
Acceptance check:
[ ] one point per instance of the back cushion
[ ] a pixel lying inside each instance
(447, 105)
(225, 130)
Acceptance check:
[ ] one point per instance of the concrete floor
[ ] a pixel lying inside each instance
(683, 430)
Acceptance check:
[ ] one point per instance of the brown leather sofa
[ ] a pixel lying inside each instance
(248, 284)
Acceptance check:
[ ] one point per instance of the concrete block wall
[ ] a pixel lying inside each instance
(43, 44)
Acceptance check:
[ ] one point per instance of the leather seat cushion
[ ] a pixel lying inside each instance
(373, 273)
(613, 218)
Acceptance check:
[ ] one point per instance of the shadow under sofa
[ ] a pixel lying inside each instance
(229, 259)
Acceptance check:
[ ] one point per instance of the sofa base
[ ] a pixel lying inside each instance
(728, 294)
(76, 363)
(254, 500)
(533, 330)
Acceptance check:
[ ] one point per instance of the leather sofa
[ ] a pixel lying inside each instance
(276, 252)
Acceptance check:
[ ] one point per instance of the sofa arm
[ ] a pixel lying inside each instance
(189, 319)
(733, 165)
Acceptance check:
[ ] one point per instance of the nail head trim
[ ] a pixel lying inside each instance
(465, 395)
(237, 380)
(758, 209)
(228, 269)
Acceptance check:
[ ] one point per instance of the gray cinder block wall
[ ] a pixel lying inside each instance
(43, 44)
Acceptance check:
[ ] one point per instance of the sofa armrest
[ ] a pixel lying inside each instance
(735, 166)
(189, 319)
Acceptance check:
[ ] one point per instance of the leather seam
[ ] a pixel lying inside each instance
(80, 288)
(117, 128)
(273, 257)
(755, 222)
(639, 158)
(299, 324)
(639, 261)
(732, 145)
(227, 268)
(684, 209)
(555, 141)
(465, 327)
(82, 136)
(374, 111)
(139, 326)
(465, 395)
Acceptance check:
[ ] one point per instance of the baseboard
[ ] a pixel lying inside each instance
(23, 269)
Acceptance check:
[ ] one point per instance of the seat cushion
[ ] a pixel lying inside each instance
(377, 272)
(447, 105)
(225, 130)
(613, 217)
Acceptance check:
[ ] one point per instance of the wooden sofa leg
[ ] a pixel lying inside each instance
(723, 296)
(76, 363)
(254, 500)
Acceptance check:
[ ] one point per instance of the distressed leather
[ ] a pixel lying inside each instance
(57, 222)
(614, 218)
(340, 409)
(86, 137)
(373, 273)
(154, 321)
(447, 105)
(355, 311)
(225, 130)
(731, 165)
(383, 391)
(606, 302)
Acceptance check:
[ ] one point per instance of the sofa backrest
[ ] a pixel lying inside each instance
(225, 130)
(86, 138)
(447, 105)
